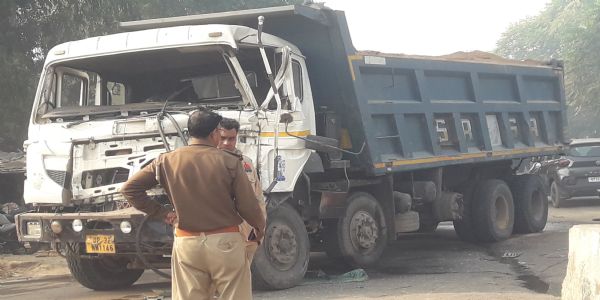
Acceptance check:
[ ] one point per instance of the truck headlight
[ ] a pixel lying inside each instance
(77, 225)
(56, 227)
(34, 229)
(126, 227)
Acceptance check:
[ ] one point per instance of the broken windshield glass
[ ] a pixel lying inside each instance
(115, 83)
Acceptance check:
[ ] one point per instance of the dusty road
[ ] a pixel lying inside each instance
(420, 266)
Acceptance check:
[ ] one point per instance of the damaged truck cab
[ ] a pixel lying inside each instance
(108, 106)
(353, 149)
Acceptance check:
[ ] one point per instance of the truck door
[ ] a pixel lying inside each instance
(294, 101)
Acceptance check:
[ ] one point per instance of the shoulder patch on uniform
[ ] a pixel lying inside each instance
(247, 167)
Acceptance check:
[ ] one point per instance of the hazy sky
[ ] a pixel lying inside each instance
(432, 27)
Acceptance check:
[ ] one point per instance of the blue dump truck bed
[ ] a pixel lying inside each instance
(420, 112)
(415, 112)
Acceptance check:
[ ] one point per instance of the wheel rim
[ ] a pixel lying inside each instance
(537, 205)
(502, 214)
(363, 231)
(282, 247)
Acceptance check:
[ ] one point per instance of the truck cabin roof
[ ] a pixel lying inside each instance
(187, 38)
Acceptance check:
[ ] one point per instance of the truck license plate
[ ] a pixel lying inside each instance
(100, 243)
(594, 179)
(34, 229)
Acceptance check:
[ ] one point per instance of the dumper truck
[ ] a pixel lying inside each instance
(354, 149)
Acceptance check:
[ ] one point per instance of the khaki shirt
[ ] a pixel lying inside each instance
(208, 188)
(250, 170)
(252, 176)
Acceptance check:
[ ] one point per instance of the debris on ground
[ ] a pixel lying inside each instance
(511, 254)
(356, 275)
(162, 294)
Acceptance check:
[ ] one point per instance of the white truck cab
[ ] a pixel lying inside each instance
(107, 106)
(98, 114)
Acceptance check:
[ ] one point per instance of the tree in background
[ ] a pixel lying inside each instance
(567, 30)
(30, 28)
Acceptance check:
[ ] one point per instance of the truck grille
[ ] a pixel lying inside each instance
(57, 176)
(102, 177)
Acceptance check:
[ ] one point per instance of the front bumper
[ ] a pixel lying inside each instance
(581, 188)
(97, 223)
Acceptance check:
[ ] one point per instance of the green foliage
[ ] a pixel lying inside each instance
(567, 30)
(32, 27)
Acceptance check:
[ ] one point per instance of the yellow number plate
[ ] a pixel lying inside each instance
(100, 243)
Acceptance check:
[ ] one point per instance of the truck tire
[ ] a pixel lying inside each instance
(360, 236)
(531, 204)
(493, 211)
(101, 274)
(282, 259)
(555, 195)
(465, 228)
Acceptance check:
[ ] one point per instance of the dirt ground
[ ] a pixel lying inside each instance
(419, 267)
(42, 264)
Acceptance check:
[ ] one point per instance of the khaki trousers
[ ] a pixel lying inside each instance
(217, 259)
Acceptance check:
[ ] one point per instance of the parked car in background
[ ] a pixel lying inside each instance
(574, 175)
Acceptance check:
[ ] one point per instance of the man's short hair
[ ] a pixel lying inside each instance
(202, 122)
(229, 124)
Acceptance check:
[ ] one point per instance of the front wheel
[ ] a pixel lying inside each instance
(282, 259)
(103, 273)
(360, 236)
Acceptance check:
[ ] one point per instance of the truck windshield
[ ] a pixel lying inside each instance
(143, 81)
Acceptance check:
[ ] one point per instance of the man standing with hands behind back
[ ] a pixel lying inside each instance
(212, 197)
(229, 132)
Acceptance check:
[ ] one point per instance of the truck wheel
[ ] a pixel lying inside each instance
(282, 259)
(465, 228)
(101, 274)
(555, 195)
(493, 211)
(531, 204)
(360, 236)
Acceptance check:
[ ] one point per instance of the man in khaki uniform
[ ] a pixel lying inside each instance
(229, 132)
(212, 196)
